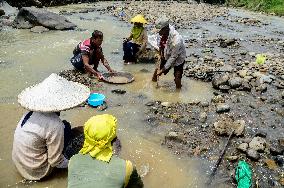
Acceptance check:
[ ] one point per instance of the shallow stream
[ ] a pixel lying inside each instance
(27, 58)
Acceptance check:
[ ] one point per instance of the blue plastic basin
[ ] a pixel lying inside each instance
(96, 99)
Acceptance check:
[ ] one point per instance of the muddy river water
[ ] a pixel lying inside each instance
(27, 58)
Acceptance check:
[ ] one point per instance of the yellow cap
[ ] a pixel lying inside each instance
(138, 19)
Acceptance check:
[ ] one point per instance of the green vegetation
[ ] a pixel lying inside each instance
(269, 6)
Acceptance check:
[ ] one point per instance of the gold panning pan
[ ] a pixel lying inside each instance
(118, 77)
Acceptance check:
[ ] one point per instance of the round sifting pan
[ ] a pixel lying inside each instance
(118, 77)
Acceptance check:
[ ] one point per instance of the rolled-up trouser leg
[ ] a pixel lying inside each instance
(178, 71)
(154, 77)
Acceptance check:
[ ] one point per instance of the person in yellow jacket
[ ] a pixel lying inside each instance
(95, 165)
(136, 43)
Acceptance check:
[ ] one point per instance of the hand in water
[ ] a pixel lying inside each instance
(111, 71)
(100, 76)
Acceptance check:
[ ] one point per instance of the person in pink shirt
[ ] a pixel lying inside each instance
(88, 54)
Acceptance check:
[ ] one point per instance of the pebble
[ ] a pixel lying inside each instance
(270, 164)
(252, 154)
(222, 108)
(243, 147)
(232, 158)
(203, 117)
(276, 148)
(165, 104)
(204, 104)
(150, 103)
(258, 144)
(218, 99)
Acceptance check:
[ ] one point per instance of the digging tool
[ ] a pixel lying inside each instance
(219, 160)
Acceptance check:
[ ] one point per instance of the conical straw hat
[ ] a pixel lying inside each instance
(138, 19)
(53, 94)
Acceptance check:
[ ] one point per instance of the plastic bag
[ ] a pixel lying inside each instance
(260, 59)
(243, 175)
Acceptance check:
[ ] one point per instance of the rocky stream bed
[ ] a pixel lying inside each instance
(248, 97)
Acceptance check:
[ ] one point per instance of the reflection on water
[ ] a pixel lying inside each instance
(31, 57)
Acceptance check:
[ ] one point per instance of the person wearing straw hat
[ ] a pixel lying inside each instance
(136, 43)
(41, 136)
(97, 164)
(171, 49)
(88, 54)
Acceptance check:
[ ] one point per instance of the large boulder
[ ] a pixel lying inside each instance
(29, 17)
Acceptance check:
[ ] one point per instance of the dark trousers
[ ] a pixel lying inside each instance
(130, 49)
(178, 72)
(67, 134)
(77, 62)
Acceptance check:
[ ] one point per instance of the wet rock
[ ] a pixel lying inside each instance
(218, 99)
(281, 181)
(263, 98)
(279, 85)
(279, 160)
(144, 70)
(266, 79)
(202, 117)
(242, 73)
(166, 104)
(257, 144)
(276, 148)
(39, 29)
(281, 142)
(204, 104)
(227, 42)
(239, 127)
(235, 82)
(261, 134)
(252, 154)
(261, 88)
(243, 147)
(118, 91)
(194, 102)
(246, 86)
(221, 108)
(270, 164)
(174, 136)
(102, 107)
(220, 80)
(226, 125)
(150, 103)
(253, 105)
(224, 88)
(31, 16)
(232, 158)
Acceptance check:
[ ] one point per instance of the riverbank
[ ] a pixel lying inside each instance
(275, 7)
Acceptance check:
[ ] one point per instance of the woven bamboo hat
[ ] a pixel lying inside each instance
(138, 19)
(53, 94)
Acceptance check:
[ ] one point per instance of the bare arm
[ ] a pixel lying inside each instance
(106, 64)
(88, 67)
